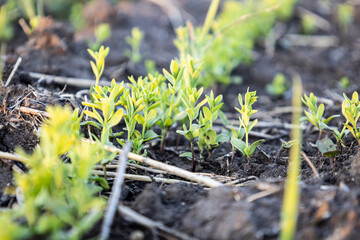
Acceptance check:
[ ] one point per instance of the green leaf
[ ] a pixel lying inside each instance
(320, 111)
(116, 118)
(326, 121)
(103, 183)
(210, 137)
(91, 123)
(207, 113)
(222, 138)
(149, 135)
(186, 154)
(327, 147)
(253, 146)
(238, 144)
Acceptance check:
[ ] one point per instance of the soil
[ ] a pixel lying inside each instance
(329, 208)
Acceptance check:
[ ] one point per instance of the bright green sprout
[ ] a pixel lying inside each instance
(102, 33)
(315, 116)
(190, 98)
(345, 15)
(344, 83)
(246, 111)
(351, 111)
(134, 41)
(99, 64)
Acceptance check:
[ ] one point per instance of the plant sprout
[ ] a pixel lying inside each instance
(246, 111)
(351, 111)
(315, 116)
(278, 86)
(134, 41)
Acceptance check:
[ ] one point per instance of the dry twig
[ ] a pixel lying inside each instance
(116, 193)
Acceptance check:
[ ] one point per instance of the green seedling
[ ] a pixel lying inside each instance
(33, 14)
(190, 98)
(290, 206)
(246, 111)
(208, 139)
(102, 33)
(344, 83)
(59, 198)
(351, 112)
(105, 99)
(134, 41)
(327, 147)
(308, 23)
(76, 18)
(169, 111)
(99, 64)
(345, 15)
(278, 86)
(315, 116)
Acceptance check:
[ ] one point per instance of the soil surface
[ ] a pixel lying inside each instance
(250, 209)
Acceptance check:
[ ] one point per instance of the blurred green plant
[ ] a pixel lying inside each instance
(308, 24)
(344, 83)
(345, 15)
(226, 41)
(278, 86)
(246, 111)
(134, 41)
(102, 33)
(59, 199)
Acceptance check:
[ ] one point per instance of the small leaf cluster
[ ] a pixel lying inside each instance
(278, 86)
(59, 199)
(208, 138)
(102, 33)
(246, 111)
(315, 116)
(99, 64)
(134, 41)
(351, 112)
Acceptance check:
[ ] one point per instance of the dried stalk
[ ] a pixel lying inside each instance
(115, 194)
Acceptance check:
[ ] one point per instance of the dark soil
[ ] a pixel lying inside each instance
(329, 206)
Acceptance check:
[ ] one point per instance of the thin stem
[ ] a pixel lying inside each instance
(162, 145)
(209, 17)
(192, 156)
(232, 155)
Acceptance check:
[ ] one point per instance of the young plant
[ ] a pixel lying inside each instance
(190, 98)
(344, 83)
(134, 105)
(208, 139)
(169, 111)
(278, 86)
(32, 13)
(134, 41)
(246, 112)
(102, 33)
(105, 99)
(308, 23)
(345, 15)
(59, 198)
(315, 116)
(351, 111)
(99, 64)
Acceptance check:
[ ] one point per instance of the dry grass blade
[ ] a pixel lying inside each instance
(116, 193)
(168, 168)
(16, 66)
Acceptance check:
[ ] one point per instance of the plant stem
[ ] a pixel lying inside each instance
(232, 155)
(162, 145)
(209, 18)
(249, 164)
(192, 156)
